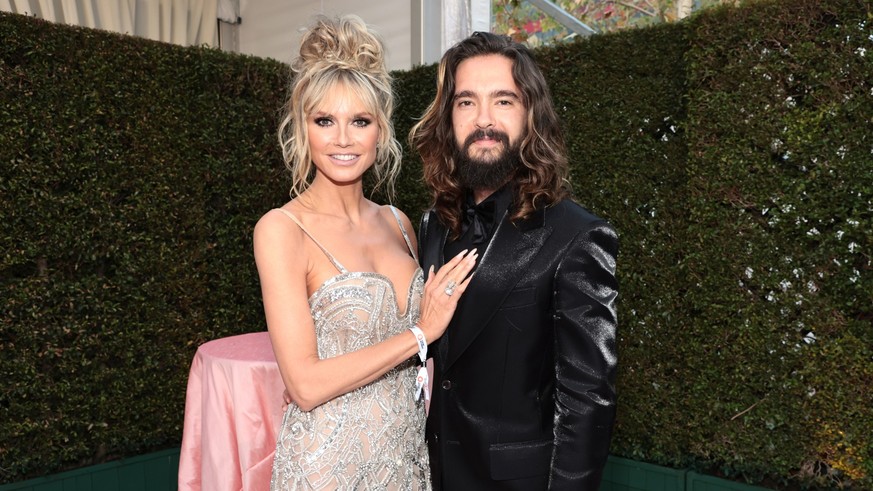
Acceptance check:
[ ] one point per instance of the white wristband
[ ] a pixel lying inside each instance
(422, 342)
(421, 379)
(421, 383)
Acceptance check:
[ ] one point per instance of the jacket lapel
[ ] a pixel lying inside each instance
(507, 257)
(432, 237)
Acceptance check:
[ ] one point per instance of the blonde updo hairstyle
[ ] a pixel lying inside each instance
(340, 52)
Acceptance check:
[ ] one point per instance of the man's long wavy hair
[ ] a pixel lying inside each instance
(541, 178)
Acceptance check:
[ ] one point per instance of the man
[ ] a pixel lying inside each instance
(523, 391)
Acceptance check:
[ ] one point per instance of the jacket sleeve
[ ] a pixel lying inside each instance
(585, 324)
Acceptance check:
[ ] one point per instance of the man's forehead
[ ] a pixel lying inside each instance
(485, 75)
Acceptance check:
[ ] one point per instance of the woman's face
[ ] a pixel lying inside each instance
(342, 136)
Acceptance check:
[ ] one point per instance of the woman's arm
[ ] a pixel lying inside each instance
(309, 380)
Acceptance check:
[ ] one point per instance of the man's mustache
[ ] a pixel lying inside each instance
(480, 133)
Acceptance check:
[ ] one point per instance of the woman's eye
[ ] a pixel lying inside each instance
(361, 122)
(323, 121)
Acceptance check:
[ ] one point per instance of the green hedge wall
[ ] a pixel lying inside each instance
(132, 174)
(732, 151)
(780, 236)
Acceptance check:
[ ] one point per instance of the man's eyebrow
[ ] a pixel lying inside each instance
(504, 93)
(496, 94)
(463, 93)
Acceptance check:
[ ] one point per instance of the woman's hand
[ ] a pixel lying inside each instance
(441, 293)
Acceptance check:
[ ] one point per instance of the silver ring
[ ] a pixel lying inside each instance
(450, 288)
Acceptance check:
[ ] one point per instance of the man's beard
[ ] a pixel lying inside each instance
(490, 173)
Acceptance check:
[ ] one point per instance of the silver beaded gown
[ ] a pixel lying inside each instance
(371, 438)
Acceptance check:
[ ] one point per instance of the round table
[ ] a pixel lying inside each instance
(233, 411)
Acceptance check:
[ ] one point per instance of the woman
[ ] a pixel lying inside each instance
(346, 305)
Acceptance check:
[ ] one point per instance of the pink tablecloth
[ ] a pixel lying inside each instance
(233, 411)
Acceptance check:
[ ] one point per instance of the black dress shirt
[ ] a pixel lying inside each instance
(488, 214)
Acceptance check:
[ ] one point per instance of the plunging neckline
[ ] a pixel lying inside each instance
(343, 272)
(373, 275)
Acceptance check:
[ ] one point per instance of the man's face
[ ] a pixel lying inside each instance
(488, 116)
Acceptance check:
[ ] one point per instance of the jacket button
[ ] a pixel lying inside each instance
(447, 384)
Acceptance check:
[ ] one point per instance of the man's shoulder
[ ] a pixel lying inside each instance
(571, 212)
(571, 221)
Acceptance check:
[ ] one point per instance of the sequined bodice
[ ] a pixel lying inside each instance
(371, 438)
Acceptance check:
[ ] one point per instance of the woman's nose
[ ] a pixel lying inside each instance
(343, 138)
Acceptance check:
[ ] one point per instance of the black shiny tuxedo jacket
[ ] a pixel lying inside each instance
(523, 391)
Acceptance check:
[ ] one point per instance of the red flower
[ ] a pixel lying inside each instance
(533, 26)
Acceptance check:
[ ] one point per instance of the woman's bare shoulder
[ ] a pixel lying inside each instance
(277, 228)
(387, 213)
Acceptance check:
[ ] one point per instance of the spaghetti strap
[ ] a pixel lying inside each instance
(403, 231)
(333, 260)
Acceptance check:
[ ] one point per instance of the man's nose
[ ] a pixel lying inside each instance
(483, 117)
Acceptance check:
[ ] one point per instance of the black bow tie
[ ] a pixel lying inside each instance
(481, 218)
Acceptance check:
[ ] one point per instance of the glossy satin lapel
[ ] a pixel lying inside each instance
(435, 238)
(507, 257)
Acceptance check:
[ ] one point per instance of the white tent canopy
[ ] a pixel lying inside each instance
(182, 22)
(417, 31)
